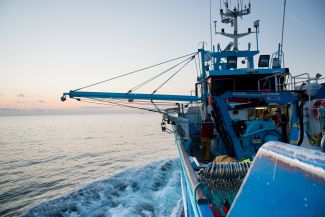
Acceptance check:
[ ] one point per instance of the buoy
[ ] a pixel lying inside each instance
(317, 104)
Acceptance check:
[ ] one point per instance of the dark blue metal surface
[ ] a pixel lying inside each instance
(222, 106)
(269, 97)
(245, 71)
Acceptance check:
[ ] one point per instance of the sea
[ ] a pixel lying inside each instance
(88, 165)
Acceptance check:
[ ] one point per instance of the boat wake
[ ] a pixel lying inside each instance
(153, 190)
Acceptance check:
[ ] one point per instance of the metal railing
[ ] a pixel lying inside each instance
(290, 83)
(279, 84)
(303, 82)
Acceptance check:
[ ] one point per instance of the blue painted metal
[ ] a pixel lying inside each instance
(247, 149)
(203, 77)
(321, 92)
(228, 125)
(131, 96)
(284, 180)
(278, 171)
(257, 133)
(283, 98)
(294, 125)
(246, 71)
(205, 210)
(192, 205)
(184, 195)
(224, 54)
(194, 209)
(237, 53)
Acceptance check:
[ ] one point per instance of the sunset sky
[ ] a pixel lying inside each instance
(50, 47)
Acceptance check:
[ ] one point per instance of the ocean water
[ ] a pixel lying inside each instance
(88, 165)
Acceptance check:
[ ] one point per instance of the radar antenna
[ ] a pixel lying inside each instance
(230, 16)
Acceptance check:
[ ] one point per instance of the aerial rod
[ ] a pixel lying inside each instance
(210, 22)
(284, 11)
(231, 16)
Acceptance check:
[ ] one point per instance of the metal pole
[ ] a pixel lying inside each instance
(203, 81)
(284, 12)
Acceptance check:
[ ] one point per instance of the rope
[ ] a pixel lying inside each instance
(129, 73)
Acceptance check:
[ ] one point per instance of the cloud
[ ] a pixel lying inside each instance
(21, 95)
(41, 101)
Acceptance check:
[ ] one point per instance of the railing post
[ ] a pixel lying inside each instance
(276, 83)
(258, 85)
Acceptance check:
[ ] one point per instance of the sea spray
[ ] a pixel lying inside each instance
(152, 190)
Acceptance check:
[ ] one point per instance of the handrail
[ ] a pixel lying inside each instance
(277, 82)
(304, 80)
(291, 82)
(193, 181)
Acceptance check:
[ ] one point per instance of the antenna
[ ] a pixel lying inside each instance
(210, 25)
(230, 16)
(284, 12)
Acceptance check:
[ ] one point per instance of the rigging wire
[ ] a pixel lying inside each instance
(123, 102)
(144, 102)
(98, 102)
(117, 104)
(158, 109)
(147, 103)
(111, 102)
(129, 73)
(173, 75)
(156, 76)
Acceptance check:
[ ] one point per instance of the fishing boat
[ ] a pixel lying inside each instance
(242, 138)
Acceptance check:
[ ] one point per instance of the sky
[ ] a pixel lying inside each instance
(50, 47)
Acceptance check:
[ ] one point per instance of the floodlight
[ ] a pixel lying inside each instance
(256, 23)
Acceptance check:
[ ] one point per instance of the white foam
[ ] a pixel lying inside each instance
(153, 190)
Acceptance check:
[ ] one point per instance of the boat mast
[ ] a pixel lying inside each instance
(231, 16)
(203, 78)
(281, 47)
